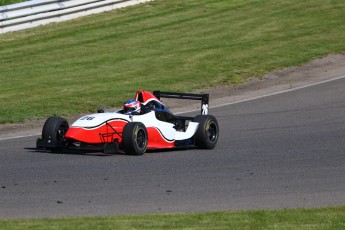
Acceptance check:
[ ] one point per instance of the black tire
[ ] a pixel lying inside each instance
(206, 136)
(134, 138)
(54, 131)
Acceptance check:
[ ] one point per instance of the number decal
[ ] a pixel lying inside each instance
(87, 118)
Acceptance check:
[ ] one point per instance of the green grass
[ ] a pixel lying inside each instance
(8, 2)
(177, 45)
(324, 218)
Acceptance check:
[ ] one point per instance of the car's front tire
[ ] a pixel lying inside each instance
(54, 131)
(207, 134)
(134, 138)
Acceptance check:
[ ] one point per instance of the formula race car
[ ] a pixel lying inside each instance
(155, 127)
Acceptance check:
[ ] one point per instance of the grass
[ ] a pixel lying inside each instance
(324, 218)
(8, 2)
(101, 60)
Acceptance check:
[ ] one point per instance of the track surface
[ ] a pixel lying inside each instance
(282, 151)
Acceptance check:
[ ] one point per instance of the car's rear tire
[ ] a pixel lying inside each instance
(54, 131)
(134, 138)
(207, 134)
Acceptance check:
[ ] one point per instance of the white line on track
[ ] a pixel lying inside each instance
(284, 91)
(230, 103)
(16, 137)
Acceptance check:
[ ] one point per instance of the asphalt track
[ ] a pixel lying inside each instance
(281, 151)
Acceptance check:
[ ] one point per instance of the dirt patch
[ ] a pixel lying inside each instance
(317, 70)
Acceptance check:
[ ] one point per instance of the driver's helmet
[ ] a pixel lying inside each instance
(131, 106)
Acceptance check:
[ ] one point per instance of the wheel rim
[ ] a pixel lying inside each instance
(212, 132)
(61, 131)
(141, 139)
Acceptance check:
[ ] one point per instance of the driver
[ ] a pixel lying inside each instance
(134, 107)
(131, 106)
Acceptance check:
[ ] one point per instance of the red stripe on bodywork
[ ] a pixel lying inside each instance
(102, 134)
(106, 134)
(156, 140)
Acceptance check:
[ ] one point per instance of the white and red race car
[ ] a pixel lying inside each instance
(134, 133)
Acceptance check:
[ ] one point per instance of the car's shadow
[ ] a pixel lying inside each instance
(73, 152)
(98, 153)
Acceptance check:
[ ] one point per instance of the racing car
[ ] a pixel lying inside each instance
(134, 133)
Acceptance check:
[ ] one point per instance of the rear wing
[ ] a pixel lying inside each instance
(204, 98)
